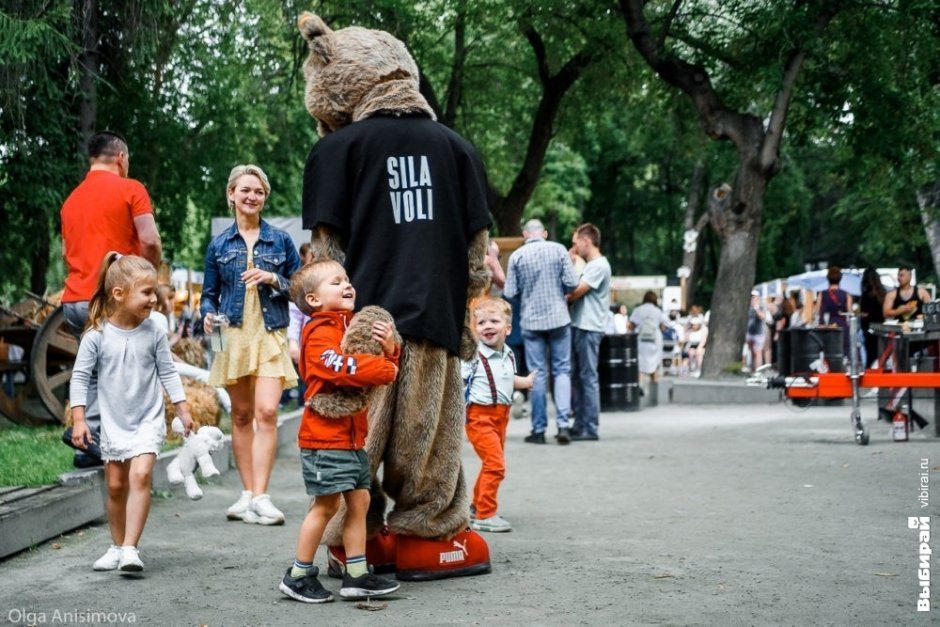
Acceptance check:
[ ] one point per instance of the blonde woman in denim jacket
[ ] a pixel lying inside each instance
(247, 276)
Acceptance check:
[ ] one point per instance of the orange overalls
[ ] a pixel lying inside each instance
(486, 430)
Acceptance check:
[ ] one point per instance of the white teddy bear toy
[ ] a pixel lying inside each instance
(197, 449)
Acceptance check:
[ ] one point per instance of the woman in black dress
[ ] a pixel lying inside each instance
(871, 305)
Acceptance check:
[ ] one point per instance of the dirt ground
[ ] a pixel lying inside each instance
(739, 515)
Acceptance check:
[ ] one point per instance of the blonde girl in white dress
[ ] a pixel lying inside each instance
(132, 358)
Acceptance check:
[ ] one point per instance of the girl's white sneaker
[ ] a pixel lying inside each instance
(265, 511)
(110, 560)
(130, 560)
(238, 509)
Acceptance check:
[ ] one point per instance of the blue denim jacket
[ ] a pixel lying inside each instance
(223, 290)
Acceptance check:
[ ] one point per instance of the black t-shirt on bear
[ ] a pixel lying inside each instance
(406, 194)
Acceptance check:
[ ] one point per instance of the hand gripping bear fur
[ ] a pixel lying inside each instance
(357, 340)
(197, 450)
(400, 200)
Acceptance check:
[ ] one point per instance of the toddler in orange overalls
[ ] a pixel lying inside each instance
(490, 380)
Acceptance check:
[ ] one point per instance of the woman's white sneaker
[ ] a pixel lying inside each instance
(264, 510)
(238, 509)
(110, 560)
(130, 560)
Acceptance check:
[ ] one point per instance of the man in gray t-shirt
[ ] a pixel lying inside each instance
(589, 312)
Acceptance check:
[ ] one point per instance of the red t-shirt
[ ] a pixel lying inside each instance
(97, 217)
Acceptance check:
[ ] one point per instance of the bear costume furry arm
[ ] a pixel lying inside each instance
(479, 278)
(353, 397)
(327, 244)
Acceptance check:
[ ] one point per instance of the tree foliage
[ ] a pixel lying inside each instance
(572, 122)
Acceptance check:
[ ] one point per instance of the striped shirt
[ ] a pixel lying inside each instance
(541, 273)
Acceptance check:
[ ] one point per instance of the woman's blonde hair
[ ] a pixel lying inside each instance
(116, 271)
(241, 170)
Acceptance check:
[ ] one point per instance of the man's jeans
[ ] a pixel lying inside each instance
(558, 341)
(587, 390)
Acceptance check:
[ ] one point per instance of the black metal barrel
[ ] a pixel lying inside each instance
(801, 346)
(619, 373)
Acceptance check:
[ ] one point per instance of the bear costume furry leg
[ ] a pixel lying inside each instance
(419, 425)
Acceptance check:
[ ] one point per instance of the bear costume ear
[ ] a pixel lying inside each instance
(319, 37)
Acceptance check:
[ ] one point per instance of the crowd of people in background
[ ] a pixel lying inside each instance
(769, 316)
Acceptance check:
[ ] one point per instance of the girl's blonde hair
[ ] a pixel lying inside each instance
(116, 271)
(240, 171)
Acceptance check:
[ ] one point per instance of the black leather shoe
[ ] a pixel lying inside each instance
(563, 436)
(535, 438)
(584, 437)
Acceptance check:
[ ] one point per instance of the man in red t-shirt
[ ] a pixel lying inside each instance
(107, 211)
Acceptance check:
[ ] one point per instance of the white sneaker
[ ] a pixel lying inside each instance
(250, 517)
(110, 560)
(265, 511)
(130, 560)
(494, 524)
(238, 509)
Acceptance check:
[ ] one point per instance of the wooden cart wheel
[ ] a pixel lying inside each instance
(51, 360)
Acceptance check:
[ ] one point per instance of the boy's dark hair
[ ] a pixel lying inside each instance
(591, 232)
(106, 144)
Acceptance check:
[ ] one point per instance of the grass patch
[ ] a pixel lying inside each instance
(33, 455)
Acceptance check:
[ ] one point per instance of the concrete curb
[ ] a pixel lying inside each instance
(715, 392)
(79, 496)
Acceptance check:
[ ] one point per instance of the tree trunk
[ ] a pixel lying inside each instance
(86, 16)
(758, 147)
(740, 235)
(691, 237)
(507, 208)
(928, 200)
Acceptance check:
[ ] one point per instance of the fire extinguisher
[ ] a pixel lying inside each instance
(899, 424)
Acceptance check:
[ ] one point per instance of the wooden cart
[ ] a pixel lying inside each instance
(34, 388)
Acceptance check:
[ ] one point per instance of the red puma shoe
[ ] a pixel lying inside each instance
(380, 554)
(423, 559)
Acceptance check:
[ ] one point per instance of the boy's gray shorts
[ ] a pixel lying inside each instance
(332, 471)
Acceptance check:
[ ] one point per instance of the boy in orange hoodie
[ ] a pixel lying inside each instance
(335, 464)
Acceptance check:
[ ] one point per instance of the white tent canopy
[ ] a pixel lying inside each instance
(816, 281)
(851, 280)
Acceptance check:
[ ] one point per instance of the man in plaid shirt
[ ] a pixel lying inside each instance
(540, 274)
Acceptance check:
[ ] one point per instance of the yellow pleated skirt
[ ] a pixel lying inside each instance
(252, 350)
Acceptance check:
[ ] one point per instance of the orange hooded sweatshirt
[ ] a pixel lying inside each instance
(324, 367)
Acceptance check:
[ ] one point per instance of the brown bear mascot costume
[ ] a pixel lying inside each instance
(400, 200)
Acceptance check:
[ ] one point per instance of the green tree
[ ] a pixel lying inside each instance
(738, 62)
